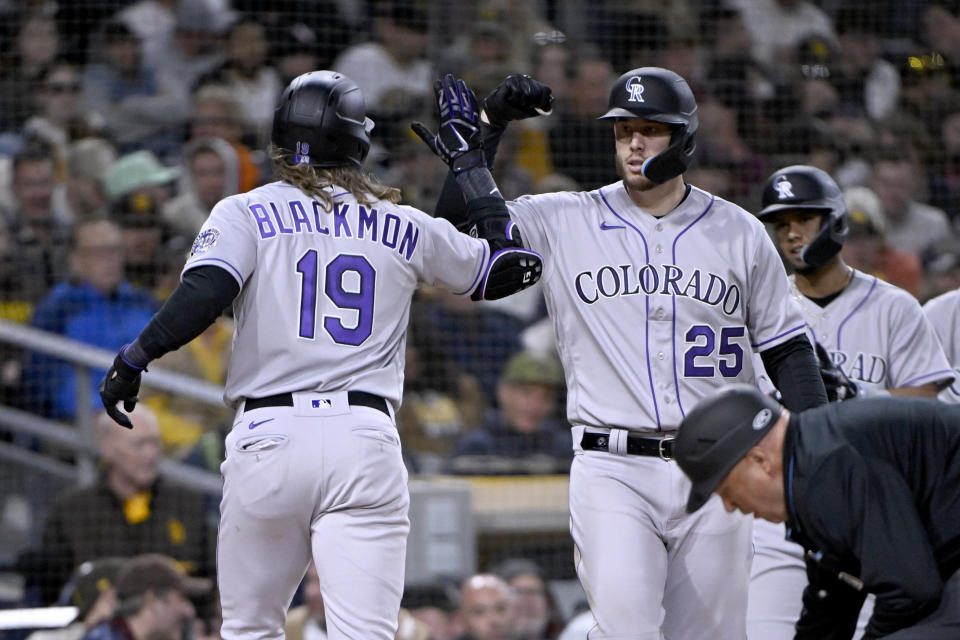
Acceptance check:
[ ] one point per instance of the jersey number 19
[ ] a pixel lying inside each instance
(360, 301)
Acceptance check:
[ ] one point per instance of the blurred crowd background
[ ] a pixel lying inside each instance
(123, 122)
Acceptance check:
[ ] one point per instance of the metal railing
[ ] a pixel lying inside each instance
(79, 437)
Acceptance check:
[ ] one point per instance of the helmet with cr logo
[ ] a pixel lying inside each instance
(802, 187)
(659, 95)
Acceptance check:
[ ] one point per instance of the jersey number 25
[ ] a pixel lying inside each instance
(728, 349)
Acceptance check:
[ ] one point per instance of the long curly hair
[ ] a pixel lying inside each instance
(313, 180)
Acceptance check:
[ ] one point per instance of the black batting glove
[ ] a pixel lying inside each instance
(458, 140)
(839, 386)
(122, 383)
(516, 98)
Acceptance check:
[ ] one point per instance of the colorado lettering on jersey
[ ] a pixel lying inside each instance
(274, 220)
(865, 367)
(627, 280)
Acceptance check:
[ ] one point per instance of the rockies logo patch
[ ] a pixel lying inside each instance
(634, 89)
(784, 188)
(205, 240)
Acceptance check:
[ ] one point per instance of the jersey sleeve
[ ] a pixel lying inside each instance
(451, 259)
(773, 316)
(228, 239)
(525, 214)
(916, 356)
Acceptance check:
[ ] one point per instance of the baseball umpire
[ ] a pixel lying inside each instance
(869, 488)
(321, 266)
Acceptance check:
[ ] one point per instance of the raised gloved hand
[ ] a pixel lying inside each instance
(516, 98)
(122, 383)
(457, 141)
(839, 386)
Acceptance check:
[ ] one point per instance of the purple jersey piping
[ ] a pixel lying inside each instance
(483, 269)
(673, 296)
(940, 376)
(239, 276)
(646, 338)
(779, 335)
(873, 286)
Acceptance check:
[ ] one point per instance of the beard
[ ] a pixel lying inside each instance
(632, 181)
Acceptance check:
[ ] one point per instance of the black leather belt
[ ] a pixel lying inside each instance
(636, 445)
(354, 399)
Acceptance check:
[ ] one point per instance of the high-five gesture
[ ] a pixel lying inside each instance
(516, 98)
(457, 141)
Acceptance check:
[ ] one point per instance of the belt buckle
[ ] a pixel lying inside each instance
(660, 448)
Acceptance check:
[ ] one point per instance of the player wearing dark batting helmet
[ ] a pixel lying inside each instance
(660, 293)
(871, 338)
(320, 267)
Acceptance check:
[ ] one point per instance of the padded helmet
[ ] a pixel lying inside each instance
(805, 187)
(659, 95)
(321, 120)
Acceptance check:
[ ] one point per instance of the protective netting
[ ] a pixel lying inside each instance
(123, 123)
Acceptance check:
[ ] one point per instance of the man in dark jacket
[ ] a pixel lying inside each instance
(870, 488)
(129, 510)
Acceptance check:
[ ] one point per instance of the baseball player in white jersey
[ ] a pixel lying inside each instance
(320, 267)
(873, 339)
(658, 292)
(944, 314)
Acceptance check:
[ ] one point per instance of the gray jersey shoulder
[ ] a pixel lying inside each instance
(944, 314)
(878, 335)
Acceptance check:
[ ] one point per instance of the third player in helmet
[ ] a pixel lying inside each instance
(869, 333)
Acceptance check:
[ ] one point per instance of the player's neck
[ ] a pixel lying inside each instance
(833, 278)
(661, 199)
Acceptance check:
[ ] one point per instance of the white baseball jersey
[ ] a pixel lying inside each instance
(325, 296)
(943, 312)
(877, 335)
(652, 314)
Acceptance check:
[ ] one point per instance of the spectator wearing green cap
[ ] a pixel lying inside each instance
(153, 601)
(91, 591)
(520, 436)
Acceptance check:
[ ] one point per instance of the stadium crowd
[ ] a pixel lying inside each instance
(122, 122)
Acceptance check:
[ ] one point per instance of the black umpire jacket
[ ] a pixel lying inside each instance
(873, 495)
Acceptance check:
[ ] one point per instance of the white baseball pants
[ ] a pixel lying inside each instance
(650, 570)
(326, 482)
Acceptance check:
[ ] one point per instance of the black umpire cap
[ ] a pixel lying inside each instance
(719, 431)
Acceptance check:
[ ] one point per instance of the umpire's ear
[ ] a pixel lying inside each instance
(761, 459)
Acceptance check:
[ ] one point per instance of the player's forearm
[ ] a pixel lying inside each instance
(794, 371)
(193, 306)
(452, 204)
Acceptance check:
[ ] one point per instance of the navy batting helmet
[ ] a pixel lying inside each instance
(321, 120)
(659, 95)
(805, 187)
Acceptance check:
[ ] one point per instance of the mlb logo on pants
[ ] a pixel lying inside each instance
(321, 404)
